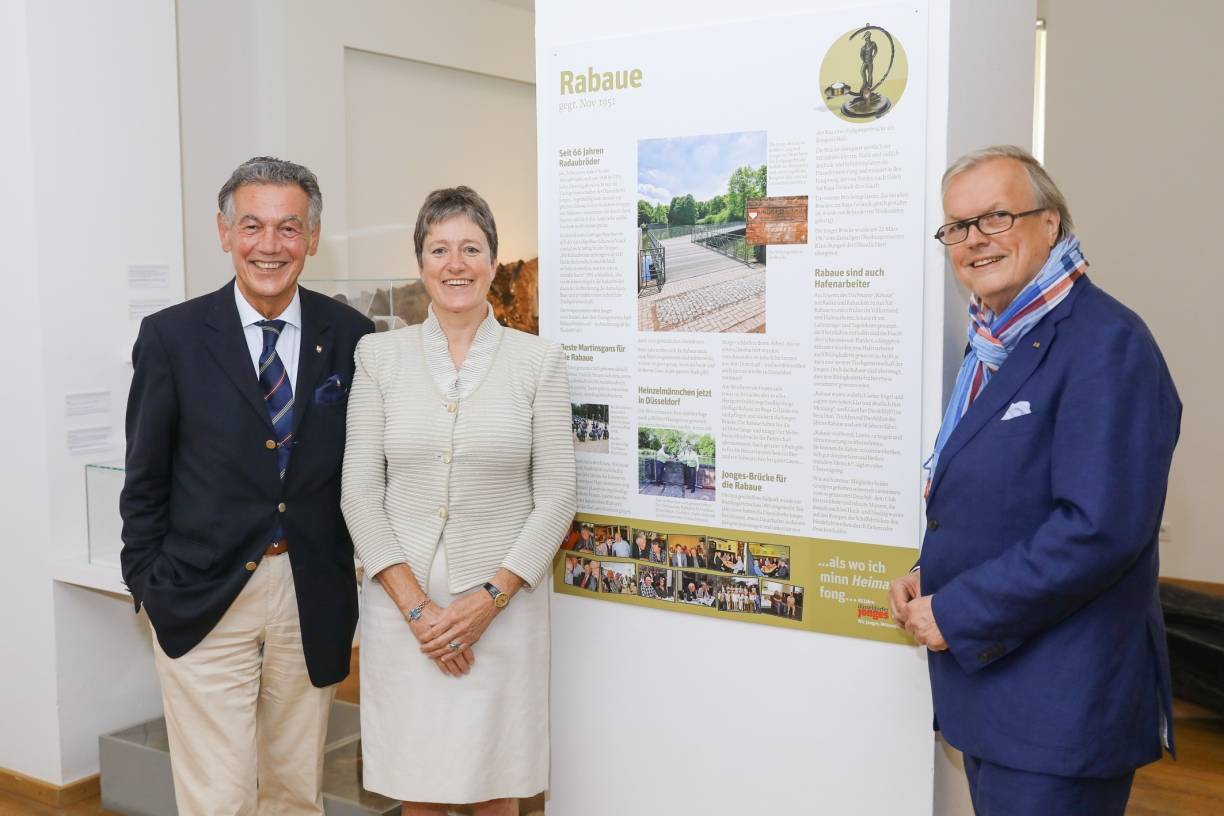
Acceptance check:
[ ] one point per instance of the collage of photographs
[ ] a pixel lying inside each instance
(722, 574)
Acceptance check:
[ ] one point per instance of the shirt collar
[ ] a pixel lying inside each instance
(486, 334)
(247, 315)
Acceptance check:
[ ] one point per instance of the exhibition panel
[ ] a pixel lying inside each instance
(735, 213)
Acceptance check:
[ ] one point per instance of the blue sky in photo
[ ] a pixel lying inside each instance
(699, 165)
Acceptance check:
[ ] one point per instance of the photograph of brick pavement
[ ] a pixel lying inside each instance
(728, 298)
(696, 272)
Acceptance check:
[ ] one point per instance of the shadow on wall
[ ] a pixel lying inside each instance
(514, 295)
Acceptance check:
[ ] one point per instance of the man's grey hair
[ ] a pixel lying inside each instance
(269, 170)
(449, 202)
(1046, 194)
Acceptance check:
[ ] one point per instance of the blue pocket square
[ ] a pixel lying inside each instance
(331, 391)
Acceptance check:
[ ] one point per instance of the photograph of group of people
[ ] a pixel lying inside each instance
(582, 573)
(769, 560)
(726, 555)
(719, 592)
(723, 574)
(783, 600)
(682, 550)
(656, 583)
(614, 577)
(617, 541)
(589, 425)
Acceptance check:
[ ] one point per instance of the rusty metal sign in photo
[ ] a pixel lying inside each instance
(776, 220)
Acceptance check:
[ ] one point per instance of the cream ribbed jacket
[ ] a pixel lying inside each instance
(491, 473)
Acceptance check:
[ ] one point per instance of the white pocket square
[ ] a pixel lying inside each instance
(1017, 409)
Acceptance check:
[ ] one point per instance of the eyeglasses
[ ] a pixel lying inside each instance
(989, 224)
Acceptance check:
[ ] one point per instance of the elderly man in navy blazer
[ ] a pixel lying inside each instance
(232, 533)
(1035, 591)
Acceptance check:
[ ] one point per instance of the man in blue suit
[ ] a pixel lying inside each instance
(232, 535)
(1036, 589)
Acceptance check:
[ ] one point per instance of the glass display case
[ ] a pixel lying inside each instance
(103, 483)
(390, 302)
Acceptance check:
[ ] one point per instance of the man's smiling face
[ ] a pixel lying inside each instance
(996, 267)
(269, 240)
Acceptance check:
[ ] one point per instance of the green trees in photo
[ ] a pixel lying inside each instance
(745, 182)
(645, 213)
(590, 411)
(648, 213)
(672, 441)
(682, 211)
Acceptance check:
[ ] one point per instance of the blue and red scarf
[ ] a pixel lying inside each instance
(992, 338)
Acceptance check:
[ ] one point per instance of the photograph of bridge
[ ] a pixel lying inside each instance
(695, 271)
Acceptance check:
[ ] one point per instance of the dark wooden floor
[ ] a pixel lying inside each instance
(1191, 786)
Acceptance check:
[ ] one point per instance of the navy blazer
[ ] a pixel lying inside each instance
(201, 493)
(1041, 550)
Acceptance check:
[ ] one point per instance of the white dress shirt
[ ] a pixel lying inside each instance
(290, 337)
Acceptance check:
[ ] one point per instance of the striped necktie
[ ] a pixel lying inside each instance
(278, 392)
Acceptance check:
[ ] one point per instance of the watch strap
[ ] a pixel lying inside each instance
(500, 599)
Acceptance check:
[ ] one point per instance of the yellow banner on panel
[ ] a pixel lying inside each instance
(812, 584)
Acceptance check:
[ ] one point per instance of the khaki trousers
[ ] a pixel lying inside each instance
(246, 726)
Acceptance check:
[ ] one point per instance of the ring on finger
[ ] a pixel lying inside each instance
(454, 645)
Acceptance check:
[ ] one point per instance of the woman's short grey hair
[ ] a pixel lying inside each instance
(449, 202)
(1045, 192)
(268, 170)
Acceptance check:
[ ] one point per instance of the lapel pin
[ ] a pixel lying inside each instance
(318, 349)
(1036, 344)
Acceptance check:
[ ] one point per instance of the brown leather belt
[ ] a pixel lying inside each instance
(279, 547)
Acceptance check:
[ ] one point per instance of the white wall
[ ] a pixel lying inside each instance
(269, 78)
(28, 740)
(992, 40)
(413, 127)
(91, 149)
(1133, 131)
(990, 101)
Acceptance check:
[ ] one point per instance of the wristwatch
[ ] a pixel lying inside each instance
(500, 599)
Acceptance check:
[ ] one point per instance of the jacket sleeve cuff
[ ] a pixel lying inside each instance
(376, 562)
(971, 653)
(530, 571)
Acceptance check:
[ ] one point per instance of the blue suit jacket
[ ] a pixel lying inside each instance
(202, 488)
(1041, 550)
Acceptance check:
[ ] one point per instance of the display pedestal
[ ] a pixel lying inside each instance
(136, 777)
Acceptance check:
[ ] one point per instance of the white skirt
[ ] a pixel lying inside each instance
(430, 737)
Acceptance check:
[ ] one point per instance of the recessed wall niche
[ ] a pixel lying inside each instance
(412, 127)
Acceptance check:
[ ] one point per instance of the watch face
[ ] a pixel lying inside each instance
(501, 600)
